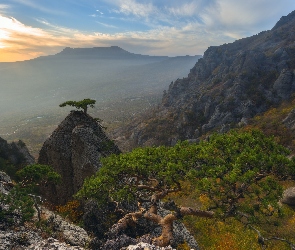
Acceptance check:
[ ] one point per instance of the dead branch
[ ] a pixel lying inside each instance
(128, 220)
(167, 222)
(197, 212)
(36, 205)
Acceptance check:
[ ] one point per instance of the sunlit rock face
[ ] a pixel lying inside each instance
(74, 150)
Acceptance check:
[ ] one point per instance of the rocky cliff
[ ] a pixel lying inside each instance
(74, 150)
(14, 153)
(231, 83)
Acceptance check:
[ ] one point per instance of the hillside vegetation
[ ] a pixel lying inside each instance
(239, 177)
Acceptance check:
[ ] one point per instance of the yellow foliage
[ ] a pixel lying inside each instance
(183, 246)
(226, 242)
(71, 210)
(205, 200)
(292, 220)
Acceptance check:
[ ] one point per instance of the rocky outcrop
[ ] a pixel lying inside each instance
(74, 150)
(146, 246)
(55, 233)
(289, 196)
(71, 234)
(53, 244)
(289, 121)
(16, 153)
(5, 183)
(25, 238)
(230, 84)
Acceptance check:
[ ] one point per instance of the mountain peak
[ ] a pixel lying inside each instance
(285, 19)
(95, 51)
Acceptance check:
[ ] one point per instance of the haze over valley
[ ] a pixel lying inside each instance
(121, 82)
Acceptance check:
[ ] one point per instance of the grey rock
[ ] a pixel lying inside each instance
(120, 242)
(284, 85)
(16, 153)
(74, 150)
(5, 183)
(20, 239)
(27, 236)
(289, 196)
(72, 234)
(146, 246)
(53, 244)
(289, 121)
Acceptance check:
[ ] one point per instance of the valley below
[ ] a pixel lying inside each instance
(122, 83)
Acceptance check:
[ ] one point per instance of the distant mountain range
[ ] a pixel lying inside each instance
(230, 84)
(33, 89)
(98, 73)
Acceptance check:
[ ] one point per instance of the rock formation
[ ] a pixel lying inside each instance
(16, 153)
(14, 234)
(289, 196)
(230, 84)
(74, 150)
(5, 183)
(146, 246)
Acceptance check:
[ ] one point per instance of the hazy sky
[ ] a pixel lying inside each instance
(30, 28)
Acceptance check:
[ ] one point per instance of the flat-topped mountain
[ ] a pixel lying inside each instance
(122, 83)
(231, 83)
(105, 53)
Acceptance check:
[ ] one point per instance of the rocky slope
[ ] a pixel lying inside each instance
(231, 83)
(55, 232)
(14, 153)
(74, 150)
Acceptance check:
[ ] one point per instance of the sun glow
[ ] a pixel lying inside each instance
(15, 38)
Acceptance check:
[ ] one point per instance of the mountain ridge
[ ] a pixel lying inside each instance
(230, 84)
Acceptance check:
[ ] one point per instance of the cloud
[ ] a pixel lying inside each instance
(180, 28)
(107, 25)
(99, 12)
(132, 7)
(32, 4)
(239, 19)
(28, 42)
(4, 6)
(187, 9)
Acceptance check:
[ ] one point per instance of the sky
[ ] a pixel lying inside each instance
(33, 28)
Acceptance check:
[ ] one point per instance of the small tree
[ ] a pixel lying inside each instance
(34, 176)
(83, 104)
(24, 194)
(237, 172)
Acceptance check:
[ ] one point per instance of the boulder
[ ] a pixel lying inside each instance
(71, 234)
(289, 196)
